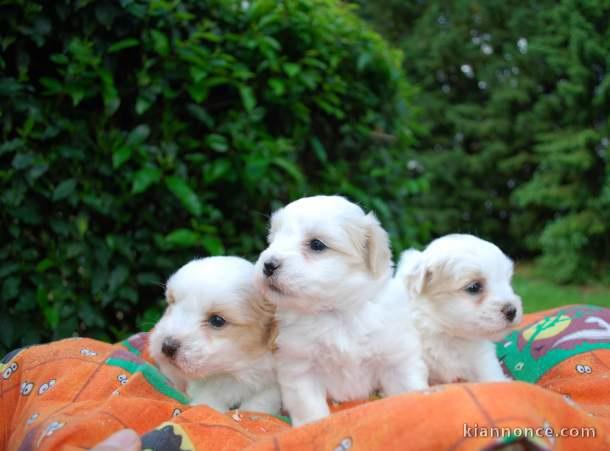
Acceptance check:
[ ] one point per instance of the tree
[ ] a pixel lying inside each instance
(514, 136)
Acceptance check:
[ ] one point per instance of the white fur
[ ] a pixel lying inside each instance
(214, 369)
(457, 327)
(344, 329)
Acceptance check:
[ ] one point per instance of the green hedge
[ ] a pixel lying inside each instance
(138, 134)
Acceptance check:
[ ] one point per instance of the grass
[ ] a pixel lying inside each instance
(540, 293)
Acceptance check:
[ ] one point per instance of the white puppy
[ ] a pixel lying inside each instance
(343, 328)
(461, 299)
(214, 336)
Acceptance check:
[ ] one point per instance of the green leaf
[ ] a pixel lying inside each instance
(38, 170)
(144, 178)
(117, 277)
(59, 58)
(290, 168)
(185, 194)
(105, 14)
(82, 225)
(44, 264)
(198, 90)
(77, 93)
(26, 302)
(198, 73)
(129, 294)
(319, 149)
(247, 97)
(277, 86)
(183, 238)
(10, 86)
(11, 145)
(123, 44)
(363, 60)
(149, 318)
(217, 142)
(142, 104)
(211, 37)
(8, 268)
(148, 278)
(216, 170)
(98, 281)
(138, 135)
(121, 155)
(160, 42)
(89, 315)
(23, 160)
(60, 227)
(28, 213)
(213, 245)
(291, 69)
(200, 114)
(51, 314)
(109, 92)
(53, 86)
(64, 189)
(10, 288)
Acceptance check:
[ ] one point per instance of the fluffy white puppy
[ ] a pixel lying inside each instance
(461, 300)
(343, 327)
(214, 337)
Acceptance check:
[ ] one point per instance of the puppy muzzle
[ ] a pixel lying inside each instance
(270, 266)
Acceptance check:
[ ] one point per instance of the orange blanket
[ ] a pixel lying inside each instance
(73, 393)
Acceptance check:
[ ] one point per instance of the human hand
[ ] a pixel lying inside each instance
(125, 440)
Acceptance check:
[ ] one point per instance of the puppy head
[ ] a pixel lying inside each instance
(324, 253)
(465, 283)
(215, 321)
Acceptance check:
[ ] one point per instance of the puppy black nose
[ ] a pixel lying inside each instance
(509, 312)
(170, 346)
(270, 266)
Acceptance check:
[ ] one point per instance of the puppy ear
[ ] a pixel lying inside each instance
(274, 224)
(271, 334)
(169, 296)
(378, 254)
(413, 272)
(266, 312)
(415, 277)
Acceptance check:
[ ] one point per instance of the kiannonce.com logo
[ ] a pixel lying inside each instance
(475, 431)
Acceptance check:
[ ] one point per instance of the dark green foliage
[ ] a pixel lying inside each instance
(571, 183)
(136, 135)
(515, 107)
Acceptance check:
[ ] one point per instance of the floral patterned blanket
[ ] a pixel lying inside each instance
(73, 393)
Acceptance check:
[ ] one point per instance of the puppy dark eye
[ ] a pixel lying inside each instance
(474, 287)
(317, 245)
(216, 321)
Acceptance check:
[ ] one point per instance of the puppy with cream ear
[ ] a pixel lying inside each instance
(461, 300)
(343, 328)
(214, 337)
